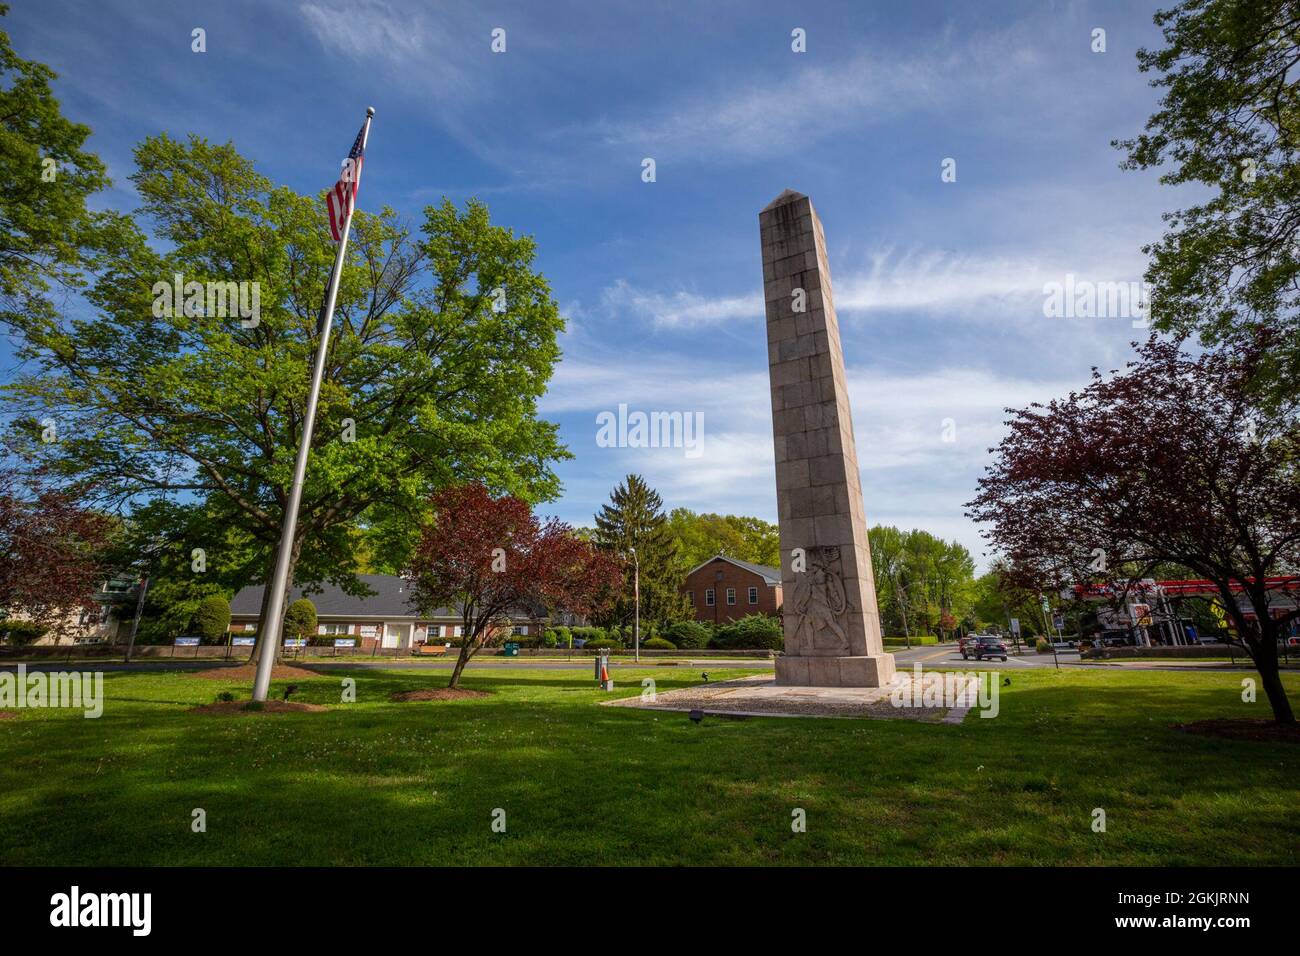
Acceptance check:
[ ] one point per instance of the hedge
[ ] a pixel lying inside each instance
(917, 640)
(752, 632)
(658, 644)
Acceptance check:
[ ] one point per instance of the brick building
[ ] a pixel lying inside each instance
(724, 589)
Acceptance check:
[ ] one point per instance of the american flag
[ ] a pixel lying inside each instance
(343, 197)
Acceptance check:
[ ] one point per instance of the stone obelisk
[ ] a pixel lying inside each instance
(832, 625)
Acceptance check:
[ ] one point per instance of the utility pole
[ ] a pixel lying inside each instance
(636, 592)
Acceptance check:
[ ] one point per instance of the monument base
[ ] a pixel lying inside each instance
(874, 671)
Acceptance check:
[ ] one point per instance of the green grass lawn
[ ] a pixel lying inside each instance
(377, 782)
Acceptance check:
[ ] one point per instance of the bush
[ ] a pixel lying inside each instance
(300, 620)
(688, 635)
(658, 644)
(212, 619)
(551, 637)
(918, 640)
(752, 632)
(589, 634)
(21, 633)
(1042, 646)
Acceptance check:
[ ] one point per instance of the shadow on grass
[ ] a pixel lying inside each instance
(417, 783)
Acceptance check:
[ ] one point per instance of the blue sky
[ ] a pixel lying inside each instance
(939, 285)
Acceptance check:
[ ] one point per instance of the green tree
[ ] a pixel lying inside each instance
(427, 381)
(212, 619)
(1229, 119)
(45, 228)
(300, 620)
(634, 519)
(702, 536)
(922, 582)
(998, 599)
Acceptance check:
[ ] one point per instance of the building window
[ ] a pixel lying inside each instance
(753, 595)
(519, 629)
(334, 629)
(731, 595)
(435, 630)
(708, 597)
(690, 596)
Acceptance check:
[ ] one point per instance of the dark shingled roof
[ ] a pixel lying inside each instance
(391, 598)
(769, 575)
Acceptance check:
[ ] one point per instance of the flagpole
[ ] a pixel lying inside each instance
(270, 636)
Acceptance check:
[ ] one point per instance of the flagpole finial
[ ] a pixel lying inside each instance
(370, 111)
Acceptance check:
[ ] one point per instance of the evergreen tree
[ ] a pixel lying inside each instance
(635, 519)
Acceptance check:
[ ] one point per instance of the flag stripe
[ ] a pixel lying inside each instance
(342, 199)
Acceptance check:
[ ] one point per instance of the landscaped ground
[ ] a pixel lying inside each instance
(385, 782)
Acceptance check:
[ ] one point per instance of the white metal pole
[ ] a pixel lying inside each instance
(636, 588)
(270, 636)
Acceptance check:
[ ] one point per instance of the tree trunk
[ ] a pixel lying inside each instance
(1261, 641)
(1266, 663)
(466, 645)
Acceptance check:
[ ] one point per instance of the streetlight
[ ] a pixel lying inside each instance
(636, 592)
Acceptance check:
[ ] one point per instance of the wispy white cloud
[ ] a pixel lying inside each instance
(814, 98)
(364, 29)
(959, 284)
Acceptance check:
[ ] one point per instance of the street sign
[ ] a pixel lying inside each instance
(243, 641)
(187, 642)
(1058, 622)
(1015, 626)
(295, 642)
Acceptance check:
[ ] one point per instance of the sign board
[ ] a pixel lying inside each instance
(345, 642)
(1015, 626)
(1058, 622)
(243, 641)
(1140, 613)
(295, 642)
(369, 630)
(187, 642)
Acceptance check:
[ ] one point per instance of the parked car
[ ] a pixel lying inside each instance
(980, 646)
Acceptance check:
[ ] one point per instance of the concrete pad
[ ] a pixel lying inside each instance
(761, 696)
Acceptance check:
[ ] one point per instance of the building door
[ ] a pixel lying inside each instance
(397, 635)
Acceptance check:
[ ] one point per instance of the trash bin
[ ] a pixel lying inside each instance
(511, 649)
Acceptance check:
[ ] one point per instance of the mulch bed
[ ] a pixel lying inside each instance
(438, 693)
(249, 672)
(234, 708)
(1265, 730)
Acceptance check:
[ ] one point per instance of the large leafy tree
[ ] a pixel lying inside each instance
(428, 380)
(1229, 120)
(702, 536)
(1171, 460)
(45, 228)
(490, 558)
(634, 519)
(923, 583)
